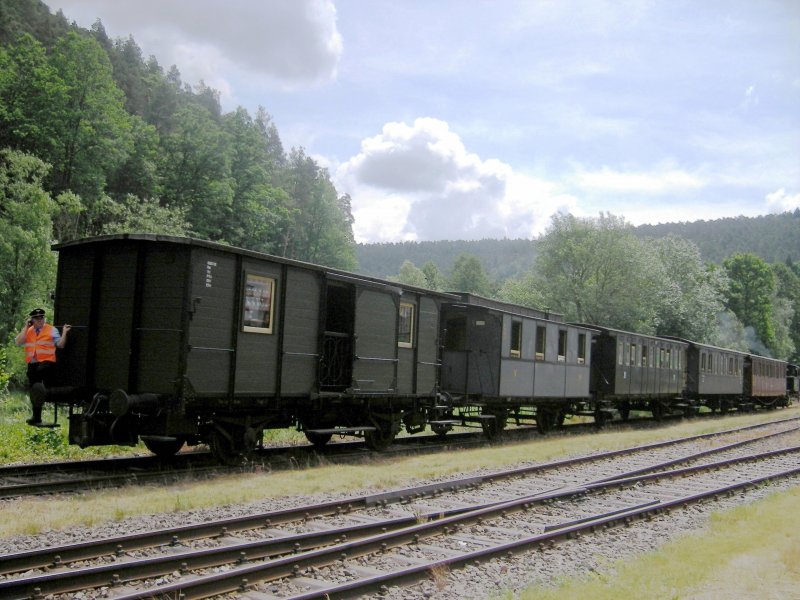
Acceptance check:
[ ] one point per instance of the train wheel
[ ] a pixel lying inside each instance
(601, 417)
(379, 439)
(493, 428)
(318, 439)
(387, 426)
(228, 446)
(546, 420)
(625, 411)
(441, 430)
(164, 448)
(657, 408)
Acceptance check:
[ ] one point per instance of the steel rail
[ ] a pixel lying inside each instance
(421, 571)
(239, 578)
(123, 572)
(40, 558)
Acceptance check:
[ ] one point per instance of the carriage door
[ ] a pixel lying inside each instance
(485, 339)
(375, 366)
(336, 366)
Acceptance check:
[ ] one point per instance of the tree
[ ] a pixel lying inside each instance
(597, 271)
(92, 129)
(691, 296)
(320, 226)
(749, 297)
(434, 278)
(259, 210)
(410, 275)
(29, 88)
(524, 290)
(195, 171)
(27, 266)
(788, 289)
(468, 276)
(140, 215)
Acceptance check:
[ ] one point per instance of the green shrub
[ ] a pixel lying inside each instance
(4, 374)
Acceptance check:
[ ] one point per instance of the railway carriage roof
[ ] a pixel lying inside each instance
(706, 346)
(473, 300)
(614, 332)
(195, 242)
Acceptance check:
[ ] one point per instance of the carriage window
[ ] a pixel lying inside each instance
(541, 342)
(405, 327)
(633, 355)
(669, 358)
(562, 345)
(581, 348)
(661, 361)
(620, 347)
(644, 355)
(516, 339)
(259, 302)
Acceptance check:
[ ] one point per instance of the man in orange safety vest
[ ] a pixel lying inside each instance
(40, 340)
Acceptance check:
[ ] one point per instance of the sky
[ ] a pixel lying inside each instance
(468, 119)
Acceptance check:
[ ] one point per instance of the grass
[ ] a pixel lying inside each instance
(91, 508)
(751, 551)
(25, 444)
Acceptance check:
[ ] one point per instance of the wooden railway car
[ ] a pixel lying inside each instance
(765, 381)
(792, 382)
(501, 361)
(639, 372)
(179, 340)
(714, 376)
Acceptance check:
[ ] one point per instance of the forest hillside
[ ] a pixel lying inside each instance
(773, 238)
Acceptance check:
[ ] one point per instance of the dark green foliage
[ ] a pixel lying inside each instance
(30, 16)
(774, 238)
(131, 146)
(468, 276)
(500, 258)
(26, 263)
(752, 285)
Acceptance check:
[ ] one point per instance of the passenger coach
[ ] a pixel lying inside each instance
(633, 371)
(714, 376)
(502, 361)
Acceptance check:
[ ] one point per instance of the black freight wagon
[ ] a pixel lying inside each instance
(635, 371)
(501, 361)
(178, 340)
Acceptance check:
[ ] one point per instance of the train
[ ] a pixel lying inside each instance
(179, 341)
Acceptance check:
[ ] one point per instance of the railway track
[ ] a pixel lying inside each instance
(360, 544)
(73, 476)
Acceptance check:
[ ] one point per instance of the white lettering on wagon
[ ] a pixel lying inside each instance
(210, 273)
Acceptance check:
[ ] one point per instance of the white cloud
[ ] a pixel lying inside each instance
(780, 201)
(289, 43)
(419, 182)
(661, 181)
